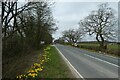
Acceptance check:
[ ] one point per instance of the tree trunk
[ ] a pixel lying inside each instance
(102, 43)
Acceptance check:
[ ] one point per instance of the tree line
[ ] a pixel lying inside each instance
(101, 23)
(25, 27)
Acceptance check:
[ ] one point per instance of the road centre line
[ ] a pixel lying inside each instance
(101, 60)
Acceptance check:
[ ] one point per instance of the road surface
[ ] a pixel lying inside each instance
(90, 64)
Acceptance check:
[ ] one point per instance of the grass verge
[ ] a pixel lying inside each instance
(56, 67)
(48, 65)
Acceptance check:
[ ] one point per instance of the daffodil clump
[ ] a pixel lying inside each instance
(37, 67)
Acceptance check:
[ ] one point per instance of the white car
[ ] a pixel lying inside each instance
(75, 44)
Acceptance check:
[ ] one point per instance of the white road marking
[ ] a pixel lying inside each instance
(70, 64)
(112, 56)
(109, 55)
(101, 60)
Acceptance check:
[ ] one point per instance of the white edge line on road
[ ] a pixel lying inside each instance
(101, 60)
(70, 63)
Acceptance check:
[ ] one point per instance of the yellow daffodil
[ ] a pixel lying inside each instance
(37, 67)
(30, 71)
(17, 77)
(29, 74)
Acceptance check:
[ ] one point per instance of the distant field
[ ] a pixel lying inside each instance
(111, 48)
(89, 44)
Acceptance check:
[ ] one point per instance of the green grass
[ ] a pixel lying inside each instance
(56, 67)
(89, 44)
(112, 49)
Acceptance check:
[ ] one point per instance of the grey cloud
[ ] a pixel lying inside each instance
(68, 14)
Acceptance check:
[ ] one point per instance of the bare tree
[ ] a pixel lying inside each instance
(10, 11)
(27, 24)
(72, 36)
(24, 27)
(101, 23)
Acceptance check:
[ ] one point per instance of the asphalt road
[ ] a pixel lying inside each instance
(90, 64)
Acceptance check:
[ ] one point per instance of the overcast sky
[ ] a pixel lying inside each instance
(68, 14)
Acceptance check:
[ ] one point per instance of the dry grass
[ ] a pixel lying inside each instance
(20, 64)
